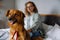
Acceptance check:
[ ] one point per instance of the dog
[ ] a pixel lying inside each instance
(16, 24)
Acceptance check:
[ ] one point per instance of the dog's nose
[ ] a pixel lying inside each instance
(10, 19)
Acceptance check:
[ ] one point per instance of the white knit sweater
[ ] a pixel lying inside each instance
(33, 22)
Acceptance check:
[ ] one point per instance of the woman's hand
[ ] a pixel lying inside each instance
(29, 30)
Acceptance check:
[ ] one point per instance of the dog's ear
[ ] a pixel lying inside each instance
(22, 14)
(7, 13)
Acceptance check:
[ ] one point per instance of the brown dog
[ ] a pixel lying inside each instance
(16, 24)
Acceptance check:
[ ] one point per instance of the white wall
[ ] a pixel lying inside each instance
(20, 4)
(44, 6)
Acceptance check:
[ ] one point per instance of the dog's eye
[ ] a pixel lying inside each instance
(16, 14)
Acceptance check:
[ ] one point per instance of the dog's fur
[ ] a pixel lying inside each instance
(16, 24)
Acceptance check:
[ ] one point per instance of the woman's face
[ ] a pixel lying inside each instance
(30, 7)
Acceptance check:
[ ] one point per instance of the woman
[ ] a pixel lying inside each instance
(33, 20)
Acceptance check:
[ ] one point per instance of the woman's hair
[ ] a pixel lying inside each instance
(35, 8)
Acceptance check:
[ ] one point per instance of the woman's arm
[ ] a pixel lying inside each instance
(37, 25)
(37, 22)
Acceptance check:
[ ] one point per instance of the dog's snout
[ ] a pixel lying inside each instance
(10, 19)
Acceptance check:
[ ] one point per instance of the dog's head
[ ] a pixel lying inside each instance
(15, 16)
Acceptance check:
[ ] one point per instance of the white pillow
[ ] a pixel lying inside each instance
(54, 33)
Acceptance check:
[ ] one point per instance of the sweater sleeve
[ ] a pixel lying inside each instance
(37, 26)
(37, 22)
(26, 23)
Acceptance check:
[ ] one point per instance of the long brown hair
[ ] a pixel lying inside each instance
(35, 8)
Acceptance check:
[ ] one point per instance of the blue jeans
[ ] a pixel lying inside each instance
(34, 34)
